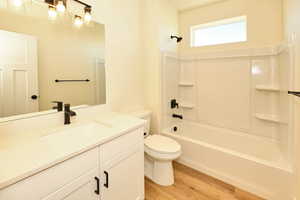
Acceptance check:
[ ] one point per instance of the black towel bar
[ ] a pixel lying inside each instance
(294, 93)
(86, 80)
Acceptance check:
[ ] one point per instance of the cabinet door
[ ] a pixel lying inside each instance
(123, 177)
(84, 187)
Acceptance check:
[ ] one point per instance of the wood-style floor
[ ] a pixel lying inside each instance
(193, 185)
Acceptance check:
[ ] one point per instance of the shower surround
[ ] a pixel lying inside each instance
(236, 116)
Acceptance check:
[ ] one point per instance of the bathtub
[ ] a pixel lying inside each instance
(251, 163)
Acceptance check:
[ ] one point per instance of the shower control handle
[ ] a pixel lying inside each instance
(174, 104)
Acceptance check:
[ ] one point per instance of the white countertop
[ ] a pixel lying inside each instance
(48, 147)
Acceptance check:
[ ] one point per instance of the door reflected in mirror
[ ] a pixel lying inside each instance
(42, 61)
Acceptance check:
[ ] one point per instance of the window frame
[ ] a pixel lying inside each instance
(215, 24)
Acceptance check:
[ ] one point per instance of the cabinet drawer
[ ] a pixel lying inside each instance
(48, 181)
(83, 188)
(119, 145)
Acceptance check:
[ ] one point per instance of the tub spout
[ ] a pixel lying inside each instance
(177, 116)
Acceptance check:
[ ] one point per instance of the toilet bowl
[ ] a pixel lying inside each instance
(160, 151)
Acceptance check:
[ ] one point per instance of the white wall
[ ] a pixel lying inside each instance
(189, 4)
(292, 33)
(264, 23)
(136, 31)
(125, 72)
(159, 22)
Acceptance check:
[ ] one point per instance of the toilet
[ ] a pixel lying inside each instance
(160, 151)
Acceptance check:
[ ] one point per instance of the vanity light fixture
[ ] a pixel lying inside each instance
(78, 21)
(87, 14)
(60, 6)
(52, 12)
(17, 3)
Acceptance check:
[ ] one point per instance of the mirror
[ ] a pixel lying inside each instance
(44, 60)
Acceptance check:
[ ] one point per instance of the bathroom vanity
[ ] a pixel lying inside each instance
(98, 156)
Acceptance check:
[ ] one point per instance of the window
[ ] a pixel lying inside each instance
(220, 32)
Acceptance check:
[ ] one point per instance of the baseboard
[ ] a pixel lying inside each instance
(235, 182)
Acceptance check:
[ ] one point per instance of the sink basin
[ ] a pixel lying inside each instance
(74, 131)
(87, 130)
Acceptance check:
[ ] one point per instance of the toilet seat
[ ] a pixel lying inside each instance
(162, 148)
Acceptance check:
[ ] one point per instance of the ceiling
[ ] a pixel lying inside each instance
(187, 4)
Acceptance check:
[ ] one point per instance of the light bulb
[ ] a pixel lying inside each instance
(87, 17)
(52, 12)
(17, 3)
(60, 7)
(87, 14)
(78, 21)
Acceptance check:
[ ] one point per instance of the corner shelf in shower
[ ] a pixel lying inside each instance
(267, 88)
(269, 118)
(186, 84)
(186, 106)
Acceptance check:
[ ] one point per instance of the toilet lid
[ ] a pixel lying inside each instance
(162, 144)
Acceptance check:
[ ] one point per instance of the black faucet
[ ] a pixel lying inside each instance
(59, 106)
(177, 116)
(68, 114)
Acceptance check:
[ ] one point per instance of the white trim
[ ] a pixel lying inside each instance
(1, 90)
(267, 88)
(186, 105)
(186, 84)
(167, 54)
(221, 22)
(97, 79)
(266, 117)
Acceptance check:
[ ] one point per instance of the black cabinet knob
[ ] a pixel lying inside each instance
(34, 97)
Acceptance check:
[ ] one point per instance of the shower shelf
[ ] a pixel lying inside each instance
(269, 118)
(267, 88)
(186, 105)
(186, 84)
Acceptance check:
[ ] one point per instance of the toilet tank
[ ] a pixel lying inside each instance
(146, 115)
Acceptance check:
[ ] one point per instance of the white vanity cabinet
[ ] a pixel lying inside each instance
(122, 167)
(111, 171)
